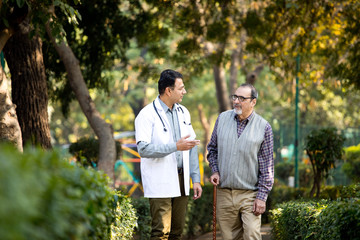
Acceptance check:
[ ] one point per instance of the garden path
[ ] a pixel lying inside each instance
(265, 233)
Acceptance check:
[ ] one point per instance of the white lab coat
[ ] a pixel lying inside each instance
(159, 175)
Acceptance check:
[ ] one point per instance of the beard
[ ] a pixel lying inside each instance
(237, 111)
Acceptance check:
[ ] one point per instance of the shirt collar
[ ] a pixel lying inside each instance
(236, 117)
(164, 106)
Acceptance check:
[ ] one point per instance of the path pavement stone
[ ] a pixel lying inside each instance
(265, 233)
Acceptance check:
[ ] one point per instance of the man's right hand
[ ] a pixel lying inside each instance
(215, 179)
(183, 144)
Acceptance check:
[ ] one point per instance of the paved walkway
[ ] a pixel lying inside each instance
(265, 233)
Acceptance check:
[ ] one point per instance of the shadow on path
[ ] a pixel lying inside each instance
(265, 233)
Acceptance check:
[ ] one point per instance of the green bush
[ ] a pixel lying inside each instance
(283, 170)
(43, 196)
(280, 194)
(351, 166)
(306, 175)
(296, 220)
(124, 217)
(142, 207)
(340, 220)
(86, 151)
(200, 212)
(324, 219)
(331, 192)
(351, 191)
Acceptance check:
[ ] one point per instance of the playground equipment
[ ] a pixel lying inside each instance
(127, 167)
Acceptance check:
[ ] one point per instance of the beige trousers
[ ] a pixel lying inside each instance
(234, 214)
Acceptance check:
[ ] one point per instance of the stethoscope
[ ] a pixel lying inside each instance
(179, 108)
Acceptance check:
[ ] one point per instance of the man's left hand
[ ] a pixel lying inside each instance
(259, 207)
(197, 190)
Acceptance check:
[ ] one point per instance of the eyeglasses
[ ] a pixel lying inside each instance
(240, 98)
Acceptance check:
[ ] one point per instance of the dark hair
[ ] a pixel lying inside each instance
(254, 93)
(167, 79)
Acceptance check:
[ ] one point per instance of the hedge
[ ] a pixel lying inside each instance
(323, 219)
(43, 196)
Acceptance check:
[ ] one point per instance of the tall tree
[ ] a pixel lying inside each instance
(25, 60)
(103, 130)
(9, 125)
(42, 13)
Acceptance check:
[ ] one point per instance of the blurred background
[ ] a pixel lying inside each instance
(76, 73)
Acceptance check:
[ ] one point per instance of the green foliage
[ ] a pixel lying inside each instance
(351, 166)
(317, 220)
(86, 151)
(280, 194)
(199, 217)
(142, 207)
(296, 220)
(43, 196)
(124, 218)
(284, 170)
(351, 191)
(340, 220)
(109, 21)
(324, 147)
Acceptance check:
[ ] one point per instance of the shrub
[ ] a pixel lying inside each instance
(86, 151)
(306, 175)
(351, 191)
(321, 220)
(324, 147)
(295, 220)
(284, 170)
(142, 207)
(351, 166)
(200, 212)
(124, 218)
(340, 220)
(45, 197)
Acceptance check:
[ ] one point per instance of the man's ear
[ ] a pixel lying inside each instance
(167, 91)
(253, 102)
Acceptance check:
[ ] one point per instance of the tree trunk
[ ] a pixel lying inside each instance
(103, 130)
(221, 88)
(205, 123)
(312, 161)
(318, 184)
(29, 88)
(9, 126)
(252, 77)
(234, 70)
(137, 104)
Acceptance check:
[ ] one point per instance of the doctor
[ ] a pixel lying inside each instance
(167, 146)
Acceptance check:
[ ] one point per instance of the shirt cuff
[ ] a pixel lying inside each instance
(214, 169)
(173, 147)
(195, 179)
(262, 196)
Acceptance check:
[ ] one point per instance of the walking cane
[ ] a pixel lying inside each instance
(214, 213)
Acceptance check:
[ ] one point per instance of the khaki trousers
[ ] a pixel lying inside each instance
(168, 215)
(234, 214)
